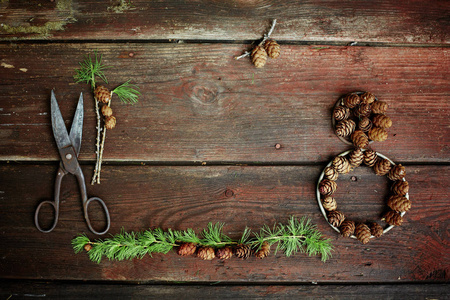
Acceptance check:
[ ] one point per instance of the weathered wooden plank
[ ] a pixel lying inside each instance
(56, 290)
(139, 197)
(424, 22)
(199, 104)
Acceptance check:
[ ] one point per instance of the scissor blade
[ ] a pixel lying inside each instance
(77, 126)
(59, 128)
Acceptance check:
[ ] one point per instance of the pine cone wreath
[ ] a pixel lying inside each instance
(243, 251)
(360, 139)
(341, 164)
(224, 253)
(370, 158)
(272, 48)
(362, 233)
(400, 187)
(106, 111)
(393, 218)
(335, 218)
(206, 253)
(375, 229)
(259, 56)
(363, 110)
(379, 107)
(186, 249)
(397, 172)
(329, 203)
(399, 203)
(110, 122)
(382, 167)
(364, 124)
(382, 121)
(331, 173)
(102, 94)
(351, 100)
(327, 187)
(345, 128)
(264, 251)
(378, 134)
(367, 97)
(341, 113)
(347, 228)
(356, 157)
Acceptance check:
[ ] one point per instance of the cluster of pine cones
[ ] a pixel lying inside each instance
(103, 95)
(260, 53)
(361, 118)
(397, 202)
(242, 251)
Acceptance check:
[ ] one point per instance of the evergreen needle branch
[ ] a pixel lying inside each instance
(295, 236)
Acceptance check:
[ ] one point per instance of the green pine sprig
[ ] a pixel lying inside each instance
(90, 68)
(127, 93)
(293, 237)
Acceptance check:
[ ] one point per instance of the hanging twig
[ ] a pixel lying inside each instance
(265, 37)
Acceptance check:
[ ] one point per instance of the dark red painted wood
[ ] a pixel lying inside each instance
(183, 197)
(412, 22)
(198, 104)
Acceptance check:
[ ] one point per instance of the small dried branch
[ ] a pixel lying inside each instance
(266, 36)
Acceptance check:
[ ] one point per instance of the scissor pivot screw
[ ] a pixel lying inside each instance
(69, 156)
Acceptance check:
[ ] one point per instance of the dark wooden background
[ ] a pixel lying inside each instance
(200, 144)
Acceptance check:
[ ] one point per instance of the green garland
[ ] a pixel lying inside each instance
(296, 236)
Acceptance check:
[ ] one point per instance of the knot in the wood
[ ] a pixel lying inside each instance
(205, 93)
(229, 193)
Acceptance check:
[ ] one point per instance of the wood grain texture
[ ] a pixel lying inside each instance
(423, 22)
(198, 104)
(183, 197)
(52, 290)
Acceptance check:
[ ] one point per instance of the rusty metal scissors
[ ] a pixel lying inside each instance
(69, 147)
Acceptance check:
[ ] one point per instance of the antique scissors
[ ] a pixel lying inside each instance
(69, 147)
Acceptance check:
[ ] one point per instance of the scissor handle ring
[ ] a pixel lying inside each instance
(36, 215)
(105, 210)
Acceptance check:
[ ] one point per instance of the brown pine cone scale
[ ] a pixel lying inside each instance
(264, 251)
(259, 56)
(102, 94)
(186, 249)
(224, 253)
(206, 253)
(400, 187)
(375, 229)
(393, 218)
(362, 233)
(272, 48)
(347, 228)
(399, 203)
(335, 218)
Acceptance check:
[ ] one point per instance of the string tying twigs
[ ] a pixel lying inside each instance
(266, 47)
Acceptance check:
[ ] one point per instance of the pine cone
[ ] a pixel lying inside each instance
(382, 167)
(186, 249)
(224, 253)
(264, 251)
(206, 253)
(331, 173)
(87, 247)
(393, 218)
(363, 110)
(259, 56)
(341, 113)
(106, 111)
(102, 94)
(378, 134)
(362, 233)
(327, 187)
(360, 139)
(272, 48)
(356, 157)
(379, 107)
(351, 100)
(399, 203)
(370, 158)
(341, 164)
(375, 229)
(365, 124)
(329, 203)
(400, 187)
(243, 251)
(335, 218)
(347, 228)
(382, 121)
(110, 122)
(345, 127)
(397, 172)
(367, 97)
